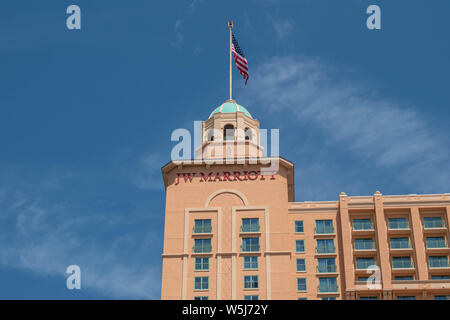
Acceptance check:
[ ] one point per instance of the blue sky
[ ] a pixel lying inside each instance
(86, 117)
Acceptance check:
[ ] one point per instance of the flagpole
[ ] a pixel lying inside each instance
(230, 26)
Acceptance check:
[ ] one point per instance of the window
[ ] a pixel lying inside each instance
(327, 285)
(250, 282)
(436, 242)
(441, 297)
(251, 262)
(433, 222)
(202, 226)
(325, 246)
(248, 134)
(201, 283)
(301, 284)
(301, 266)
(299, 245)
(299, 226)
(401, 263)
(364, 262)
(368, 298)
(228, 132)
(328, 298)
(400, 243)
(438, 262)
(210, 135)
(324, 227)
(202, 245)
(406, 298)
(201, 263)
(398, 223)
(250, 244)
(440, 277)
(403, 278)
(364, 244)
(326, 265)
(250, 225)
(251, 298)
(201, 298)
(362, 224)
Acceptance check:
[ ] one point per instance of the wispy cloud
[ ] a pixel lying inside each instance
(178, 34)
(380, 132)
(147, 173)
(282, 27)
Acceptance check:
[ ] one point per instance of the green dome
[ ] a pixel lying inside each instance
(230, 107)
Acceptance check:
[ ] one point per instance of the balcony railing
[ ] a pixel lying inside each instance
(325, 249)
(438, 264)
(364, 246)
(328, 288)
(202, 249)
(250, 248)
(433, 224)
(326, 268)
(436, 244)
(402, 264)
(394, 225)
(358, 226)
(400, 245)
(324, 230)
(202, 229)
(250, 228)
(364, 265)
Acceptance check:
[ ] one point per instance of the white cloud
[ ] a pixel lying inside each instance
(178, 33)
(374, 129)
(282, 27)
(147, 173)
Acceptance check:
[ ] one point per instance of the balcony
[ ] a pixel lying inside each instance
(327, 269)
(439, 265)
(202, 229)
(331, 288)
(437, 246)
(402, 266)
(324, 230)
(434, 226)
(330, 250)
(202, 249)
(362, 266)
(363, 247)
(357, 226)
(400, 247)
(397, 227)
(363, 228)
(250, 228)
(250, 248)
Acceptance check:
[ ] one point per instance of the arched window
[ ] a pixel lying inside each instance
(228, 132)
(210, 135)
(248, 134)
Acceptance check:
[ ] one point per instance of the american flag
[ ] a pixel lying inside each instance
(239, 59)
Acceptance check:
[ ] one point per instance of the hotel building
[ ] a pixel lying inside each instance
(235, 232)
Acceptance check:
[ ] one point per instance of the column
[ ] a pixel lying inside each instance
(346, 234)
(382, 240)
(419, 246)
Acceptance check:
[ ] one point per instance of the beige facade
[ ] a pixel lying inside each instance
(233, 231)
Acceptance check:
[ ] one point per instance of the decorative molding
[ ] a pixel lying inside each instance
(232, 191)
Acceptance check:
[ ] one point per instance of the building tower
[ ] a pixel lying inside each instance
(225, 231)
